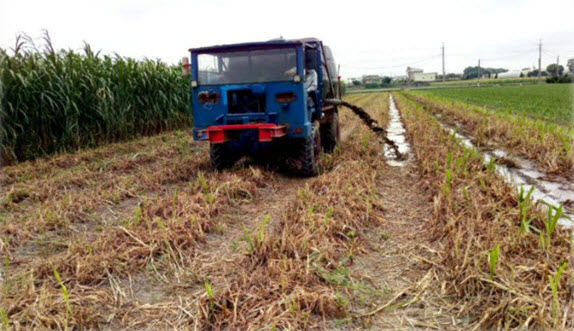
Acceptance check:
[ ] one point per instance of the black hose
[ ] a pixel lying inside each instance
(370, 122)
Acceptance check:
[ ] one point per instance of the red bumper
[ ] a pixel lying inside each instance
(267, 131)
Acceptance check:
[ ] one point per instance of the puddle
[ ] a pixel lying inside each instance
(396, 132)
(551, 191)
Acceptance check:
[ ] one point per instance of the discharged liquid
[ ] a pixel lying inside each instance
(552, 191)
(396, 132)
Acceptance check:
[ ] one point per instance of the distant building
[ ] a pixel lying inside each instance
(417, 75)
(401, 78)
(372, 79)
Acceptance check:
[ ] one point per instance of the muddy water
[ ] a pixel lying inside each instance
(551, 190)
(396, 132)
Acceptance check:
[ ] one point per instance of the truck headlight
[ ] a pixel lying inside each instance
(208, 97)
(285, 97)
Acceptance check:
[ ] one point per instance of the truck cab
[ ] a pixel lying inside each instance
(251, 97)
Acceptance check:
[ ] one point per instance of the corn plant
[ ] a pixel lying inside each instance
(491, 165)
(6, 267)
(261, 229)
(63, 100)
(524, 205)
(447, 181)
(328, 216)
(65, 293)
(493, 259)
(554, 285)
(137, 214)
(247, 237)
(550, 225)
(4, 319)
(209, 297)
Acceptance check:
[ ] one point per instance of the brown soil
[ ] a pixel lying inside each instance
(398, 261)
(396, 290)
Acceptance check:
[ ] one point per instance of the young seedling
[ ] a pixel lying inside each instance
(6, 268)
(233, 246)
(328, 215)
(491, 165)
(447, 182)
(247, 237)
(261, 229)
(493, 259)
(65, 293)
(4, 319)
(524, 205)
(550, 225)
(554, 285)
(292, 307)
(137, 214)
(209, 297)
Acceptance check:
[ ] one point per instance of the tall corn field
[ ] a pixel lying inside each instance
(53, 101)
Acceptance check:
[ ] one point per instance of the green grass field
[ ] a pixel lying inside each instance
(553, 102)
(487, 81)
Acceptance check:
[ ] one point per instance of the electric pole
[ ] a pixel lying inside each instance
(539, 59)
(557, 66)
(443, 72)
(479, 71)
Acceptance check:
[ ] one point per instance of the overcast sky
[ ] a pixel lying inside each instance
(367, 37)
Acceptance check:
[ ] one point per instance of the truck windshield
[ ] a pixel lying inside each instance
(256, 66)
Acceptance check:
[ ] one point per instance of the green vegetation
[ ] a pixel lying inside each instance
(550, 102)
(477, 72)
(487, 82)
(479, 219)
(63, 100)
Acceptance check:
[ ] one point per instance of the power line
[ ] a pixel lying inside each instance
(443, 72)
(539, 59)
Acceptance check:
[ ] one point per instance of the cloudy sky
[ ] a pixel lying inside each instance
(379, 37)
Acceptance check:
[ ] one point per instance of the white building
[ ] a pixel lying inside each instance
(417, 75)
(372, 79)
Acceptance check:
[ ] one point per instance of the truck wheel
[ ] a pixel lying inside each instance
(306, 154)
(330, 133)
(221, 156)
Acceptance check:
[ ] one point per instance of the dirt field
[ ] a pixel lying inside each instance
(144, 235)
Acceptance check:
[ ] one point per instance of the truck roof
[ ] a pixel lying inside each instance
(254, 45)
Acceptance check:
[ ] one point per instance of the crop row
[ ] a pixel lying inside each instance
(54, 101)
(548, 144)
(83, 231)
(503, 259)
(551, 102)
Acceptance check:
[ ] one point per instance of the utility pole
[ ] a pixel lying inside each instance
(479, 70)
(557, 66)
(443, 72)
(539, 59)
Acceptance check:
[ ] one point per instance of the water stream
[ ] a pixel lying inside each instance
(550, 190)
(396, 132)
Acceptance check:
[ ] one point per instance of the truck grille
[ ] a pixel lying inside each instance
(245, 101)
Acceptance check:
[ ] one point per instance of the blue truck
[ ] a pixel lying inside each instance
(267, 100)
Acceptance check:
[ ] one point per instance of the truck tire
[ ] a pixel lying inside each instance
(221, 156)
(306, 154)
(330, 133)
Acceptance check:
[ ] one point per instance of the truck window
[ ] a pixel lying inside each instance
(257, 66)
